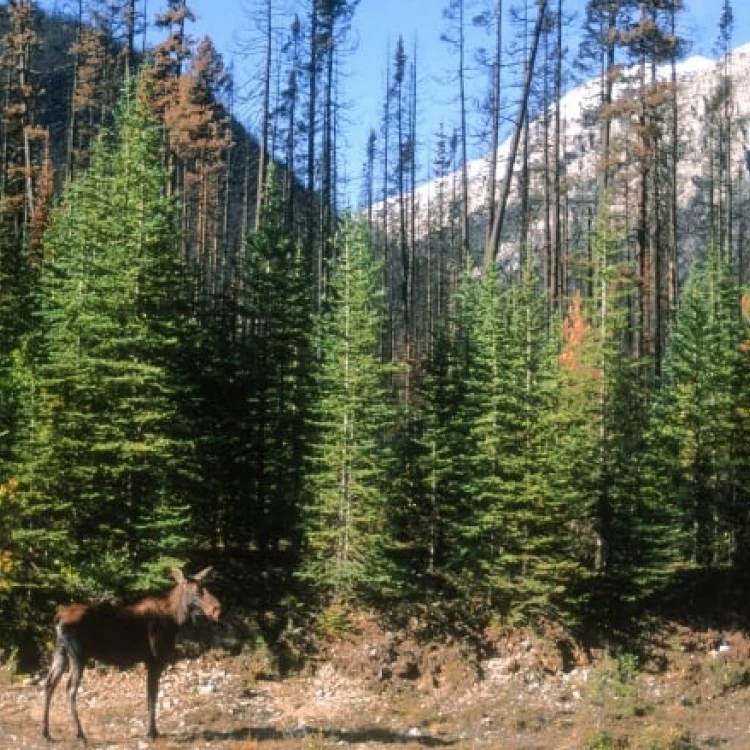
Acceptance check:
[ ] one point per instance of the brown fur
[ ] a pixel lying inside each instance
(124, 635)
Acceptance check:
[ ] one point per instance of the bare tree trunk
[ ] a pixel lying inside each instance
(292, 104)
(557, 261)
(465, 247)
(411, 284)
(72, 110)
(265, 117)
(387, 260)
(524, 179)
(495, 104)
(315, 254)
(675, 150)
(291, 182)
(493, 245)
(328, 157)
(370, 178)
(607, 77)
(547, 177)
(401, 166)
(130, 17)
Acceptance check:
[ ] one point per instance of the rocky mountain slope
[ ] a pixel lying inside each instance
(699, 82)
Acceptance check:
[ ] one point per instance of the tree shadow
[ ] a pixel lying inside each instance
(345, 736)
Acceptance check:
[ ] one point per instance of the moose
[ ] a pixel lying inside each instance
(124, 635)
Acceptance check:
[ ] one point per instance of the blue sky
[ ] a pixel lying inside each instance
(377, 25)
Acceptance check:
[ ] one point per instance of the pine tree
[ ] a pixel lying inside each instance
(109, 464)
(345, 522)
(625, 532)
(532, 565)
(637, 532)
(698, 410)
(491, 417)
(431, 473)
(518, 527)
(278, 339)
(254, 385)
(486, 521)
(739, 502)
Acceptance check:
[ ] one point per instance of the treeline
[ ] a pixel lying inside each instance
(167, 398)
(662, 146)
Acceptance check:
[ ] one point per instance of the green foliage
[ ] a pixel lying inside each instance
(105, 485)
(534, 564)
(335, 621)
(699, 415)
(9, 512)
(429, 474)
(253, 378)
(517, 526)
(350, 459)
(602, 740)
(440, 449)
(539, 471)
(625, 529)
(494, 526)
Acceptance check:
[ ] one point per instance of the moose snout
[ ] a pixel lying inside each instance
(212, 610)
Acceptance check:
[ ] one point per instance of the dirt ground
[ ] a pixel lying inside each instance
(383, 690)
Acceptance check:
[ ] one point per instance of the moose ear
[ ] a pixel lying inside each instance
(200, 576)
(178, 575)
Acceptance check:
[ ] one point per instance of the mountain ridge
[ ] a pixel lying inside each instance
(698, 81)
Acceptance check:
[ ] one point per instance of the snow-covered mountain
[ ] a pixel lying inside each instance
(698, 81)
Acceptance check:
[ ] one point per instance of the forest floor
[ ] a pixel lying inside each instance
(377, 689)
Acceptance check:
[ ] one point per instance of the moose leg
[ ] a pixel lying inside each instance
(74, 682)
(56, 671)
(152, 692)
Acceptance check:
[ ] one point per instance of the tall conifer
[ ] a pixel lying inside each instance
(109, 462)
(255, 391)
(345, 522)
(698, 410)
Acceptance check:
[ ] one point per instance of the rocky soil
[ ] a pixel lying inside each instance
(375, 689)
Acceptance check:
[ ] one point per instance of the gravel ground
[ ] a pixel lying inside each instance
(420, 697)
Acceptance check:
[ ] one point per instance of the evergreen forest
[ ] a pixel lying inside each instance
(205, 359)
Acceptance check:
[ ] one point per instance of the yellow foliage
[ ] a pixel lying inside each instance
(745, 307)
(7, 493)
(8, 489)
(745, 310)
(6, 568)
